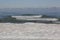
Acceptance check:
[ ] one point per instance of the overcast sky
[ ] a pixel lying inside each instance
(29, 3)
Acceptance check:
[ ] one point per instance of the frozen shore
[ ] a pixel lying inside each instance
(30, 31)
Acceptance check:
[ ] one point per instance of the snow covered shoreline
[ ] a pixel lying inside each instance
(30, 31)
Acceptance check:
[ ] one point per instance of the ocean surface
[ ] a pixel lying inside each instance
(54, 11)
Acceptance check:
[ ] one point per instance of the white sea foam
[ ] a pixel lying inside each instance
(30, 31)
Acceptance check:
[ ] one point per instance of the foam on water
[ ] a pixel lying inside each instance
(29, 31)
